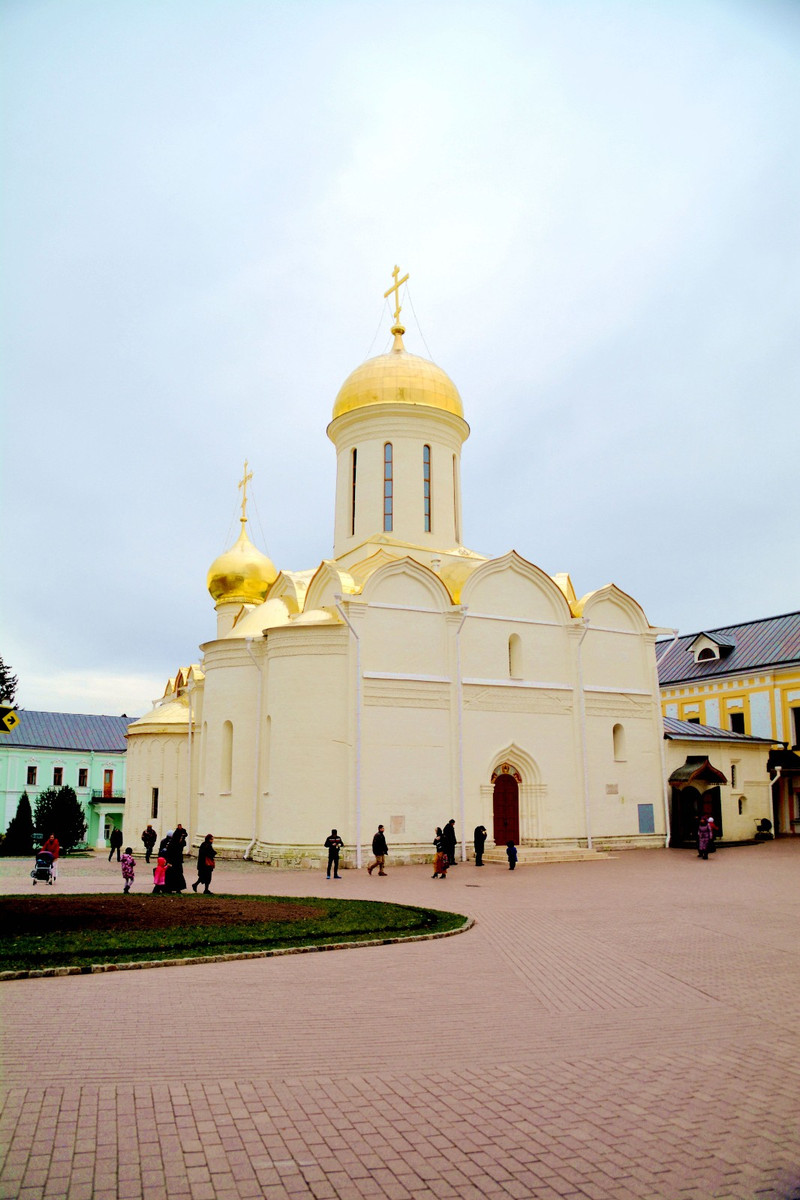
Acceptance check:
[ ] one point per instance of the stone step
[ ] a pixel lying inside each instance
(531, 855)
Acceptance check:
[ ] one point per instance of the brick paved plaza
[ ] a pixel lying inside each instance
(625, 1028)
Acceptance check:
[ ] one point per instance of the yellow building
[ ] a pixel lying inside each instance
(744, 678)
(406, 680)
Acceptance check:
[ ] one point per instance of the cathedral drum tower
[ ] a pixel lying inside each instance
(407, 679)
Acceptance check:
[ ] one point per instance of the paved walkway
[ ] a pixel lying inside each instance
(619, 1029)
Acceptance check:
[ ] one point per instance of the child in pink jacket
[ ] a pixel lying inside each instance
(159, 875)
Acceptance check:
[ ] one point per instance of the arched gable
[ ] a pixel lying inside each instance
(362, 570)
(519, 760)
(253, 621)
(406, 582)
(291, 587)
(611, 607)
(327, 583)
(511, 586)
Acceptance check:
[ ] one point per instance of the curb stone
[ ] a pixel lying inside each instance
(200, 959)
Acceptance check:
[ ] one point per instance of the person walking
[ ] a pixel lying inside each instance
(128, 868)
(440, 856)
(380, 850)
(163, 845)
(176, 880)
(704, 836)
(333, 845)
(206, 854)
(449, 838)
(149, 838)
(115, 843)
(52, 846)
(479, 841)
(159, 876)
(511, 851)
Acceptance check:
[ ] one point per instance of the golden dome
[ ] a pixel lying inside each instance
(241, 575)
(398, 378)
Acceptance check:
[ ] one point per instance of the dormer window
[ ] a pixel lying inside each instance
(708, 647)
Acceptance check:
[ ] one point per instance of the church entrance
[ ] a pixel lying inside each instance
(506, 805)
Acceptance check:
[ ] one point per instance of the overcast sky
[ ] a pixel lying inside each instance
(598, 205)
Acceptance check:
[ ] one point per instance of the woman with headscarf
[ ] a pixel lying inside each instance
(176, 881)
(205, 864)
(440, 856)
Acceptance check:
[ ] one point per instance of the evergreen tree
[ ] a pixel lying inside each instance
(19, 835)
(70, 820)
(60, 812)
(8, 685)
(44, 816)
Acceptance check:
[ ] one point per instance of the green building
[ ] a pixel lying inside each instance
(84, 751)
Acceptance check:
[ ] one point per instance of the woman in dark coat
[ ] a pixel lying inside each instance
(479, 841)
(176, 881)
(205, 864)
(440, 856)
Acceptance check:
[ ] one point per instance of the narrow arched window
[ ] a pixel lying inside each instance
(426, 486)
(353, 470)
(388, 486)
(515, 656)
(619, 743)
(226, 758)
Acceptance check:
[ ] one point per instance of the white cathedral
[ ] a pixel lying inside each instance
(407, 679)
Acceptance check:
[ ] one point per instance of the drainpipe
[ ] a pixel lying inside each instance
(659, 660)
(257, 769)
(346, 619)
(584, 752)
(190, 686)
(461, 737)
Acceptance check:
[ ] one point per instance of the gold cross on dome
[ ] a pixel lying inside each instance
(243, 485)
(398, 283)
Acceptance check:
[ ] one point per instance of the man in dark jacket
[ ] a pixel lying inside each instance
(380, 850)
(149, 838)
(115, 843)
(449, 839)
(333, 845)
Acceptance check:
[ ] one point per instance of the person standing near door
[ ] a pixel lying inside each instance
(115, 843)
(479, 841)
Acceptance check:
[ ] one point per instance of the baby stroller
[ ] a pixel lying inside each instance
(44, 867)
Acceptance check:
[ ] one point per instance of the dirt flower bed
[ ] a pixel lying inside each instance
(46, 931)
(60, 914)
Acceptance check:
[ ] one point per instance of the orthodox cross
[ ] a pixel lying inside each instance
(398, 283)
(243, 485)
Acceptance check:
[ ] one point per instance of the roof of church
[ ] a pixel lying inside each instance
(677, 729)
(68, 731)
(770, 642)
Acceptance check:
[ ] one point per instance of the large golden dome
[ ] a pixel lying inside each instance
(398, 378)
(242, 574)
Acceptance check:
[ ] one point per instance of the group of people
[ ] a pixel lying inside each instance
(444, 845)
(168, 876)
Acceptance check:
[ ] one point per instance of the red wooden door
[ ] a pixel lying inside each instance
(506, 810)
(108, 783)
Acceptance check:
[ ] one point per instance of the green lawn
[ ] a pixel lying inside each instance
(115, 930)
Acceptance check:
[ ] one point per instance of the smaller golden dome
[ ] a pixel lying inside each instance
(242, 575)
(398, 378)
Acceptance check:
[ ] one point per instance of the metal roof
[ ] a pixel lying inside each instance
(67, 731)
(674, 728)
(771, 642)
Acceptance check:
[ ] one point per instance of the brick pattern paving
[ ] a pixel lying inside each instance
(620, 1029)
